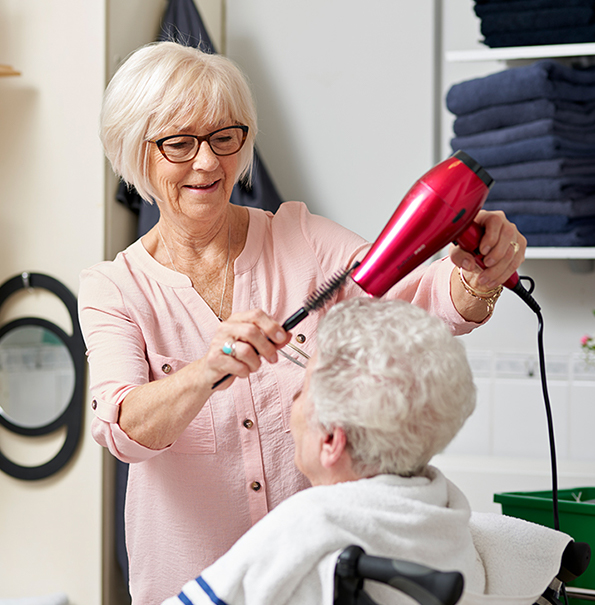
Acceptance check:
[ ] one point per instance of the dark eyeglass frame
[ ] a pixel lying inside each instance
(207, 138)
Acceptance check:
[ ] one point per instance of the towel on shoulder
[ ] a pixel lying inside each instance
(289, 556)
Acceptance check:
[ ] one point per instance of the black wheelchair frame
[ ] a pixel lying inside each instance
(429, 586)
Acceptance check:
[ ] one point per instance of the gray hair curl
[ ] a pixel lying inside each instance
(394, 379)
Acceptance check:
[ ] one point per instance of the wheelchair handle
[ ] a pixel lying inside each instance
(427, 586)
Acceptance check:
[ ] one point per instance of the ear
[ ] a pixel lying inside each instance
(334, 448)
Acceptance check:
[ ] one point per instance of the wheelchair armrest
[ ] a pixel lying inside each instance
(575, 560)
(427, 586)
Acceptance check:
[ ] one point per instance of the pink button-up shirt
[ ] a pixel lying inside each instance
(187, 504)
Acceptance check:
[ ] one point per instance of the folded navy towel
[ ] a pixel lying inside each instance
(558, 167)
(577, 34)
(572, 209)
(580, 236)
(561, 188)
(511, 21)
(543, 79)
(550, 223)
(528, 130)
(529, 150)
(511, 114)
(486, 7)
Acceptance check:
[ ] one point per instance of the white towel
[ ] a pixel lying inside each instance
(520, 558)
(58, 598)
(289, 556)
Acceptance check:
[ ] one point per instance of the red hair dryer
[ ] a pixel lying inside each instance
(437, 210)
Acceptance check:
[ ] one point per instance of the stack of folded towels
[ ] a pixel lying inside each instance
(534, 22)
(533, 129)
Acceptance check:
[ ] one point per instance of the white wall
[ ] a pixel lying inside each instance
(51, 185)
(345, 100)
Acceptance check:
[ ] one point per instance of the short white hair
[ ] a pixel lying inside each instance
(167, 84)
(394, 379)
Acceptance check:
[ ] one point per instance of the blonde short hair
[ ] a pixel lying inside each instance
(166, 84)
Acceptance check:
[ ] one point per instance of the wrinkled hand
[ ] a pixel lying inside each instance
(502, 247)
(241, 342)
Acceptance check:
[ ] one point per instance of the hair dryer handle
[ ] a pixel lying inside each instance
(469, 241)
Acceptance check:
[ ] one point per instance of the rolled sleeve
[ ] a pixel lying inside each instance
(119, 444)
(108, 412)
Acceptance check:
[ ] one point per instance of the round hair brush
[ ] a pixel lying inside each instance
(319, 297)
(316, 300)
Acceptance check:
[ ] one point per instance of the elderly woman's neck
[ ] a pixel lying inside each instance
(187, 243)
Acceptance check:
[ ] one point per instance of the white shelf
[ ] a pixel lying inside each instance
(533, 52)
(559, 253)
(522, 52)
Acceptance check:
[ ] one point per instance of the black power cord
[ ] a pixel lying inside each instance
(525, 294)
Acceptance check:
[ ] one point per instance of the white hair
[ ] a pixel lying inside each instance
(394, 379)
(166, 84)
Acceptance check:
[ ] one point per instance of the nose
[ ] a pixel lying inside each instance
(205, 159)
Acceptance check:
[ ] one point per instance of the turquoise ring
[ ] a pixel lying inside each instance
(229, 348)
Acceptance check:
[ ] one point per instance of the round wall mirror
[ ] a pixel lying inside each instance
(36, 376)
(41, 377)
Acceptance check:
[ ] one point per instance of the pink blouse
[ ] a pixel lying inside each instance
(188, 503)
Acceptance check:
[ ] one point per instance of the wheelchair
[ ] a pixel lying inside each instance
(429, 586)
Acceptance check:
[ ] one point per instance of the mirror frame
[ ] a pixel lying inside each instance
(72, 416)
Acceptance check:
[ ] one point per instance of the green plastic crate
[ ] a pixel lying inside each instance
(575, 512)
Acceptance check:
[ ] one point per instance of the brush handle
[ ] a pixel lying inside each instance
(295, 319)
(290, 323)
(220, 381)
(314, 302)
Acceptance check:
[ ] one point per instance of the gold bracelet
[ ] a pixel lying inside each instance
(490, 297)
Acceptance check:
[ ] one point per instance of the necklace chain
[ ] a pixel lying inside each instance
(171, 260)
(226, 271)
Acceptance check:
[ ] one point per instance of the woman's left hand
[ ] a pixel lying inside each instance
(503, 249)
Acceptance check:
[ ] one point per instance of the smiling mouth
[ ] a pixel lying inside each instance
(205, 186)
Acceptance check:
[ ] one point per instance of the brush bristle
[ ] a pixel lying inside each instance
(325, 291)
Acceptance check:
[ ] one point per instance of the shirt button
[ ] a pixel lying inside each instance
(166, 368)
(248, 423)
(94, 404)
(255, 485)
(300, 338)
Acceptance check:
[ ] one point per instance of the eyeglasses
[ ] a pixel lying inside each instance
(178, 148)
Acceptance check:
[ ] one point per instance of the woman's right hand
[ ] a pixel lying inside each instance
(156, 413)
(247, 337)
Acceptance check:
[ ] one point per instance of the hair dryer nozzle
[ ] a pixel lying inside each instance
(438, 207)
(479, 170)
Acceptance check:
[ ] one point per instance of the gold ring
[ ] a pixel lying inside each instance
(515, 246)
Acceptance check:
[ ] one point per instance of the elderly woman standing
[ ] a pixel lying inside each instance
(201, 296)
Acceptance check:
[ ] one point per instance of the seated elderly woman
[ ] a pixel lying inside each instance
(388, 388)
